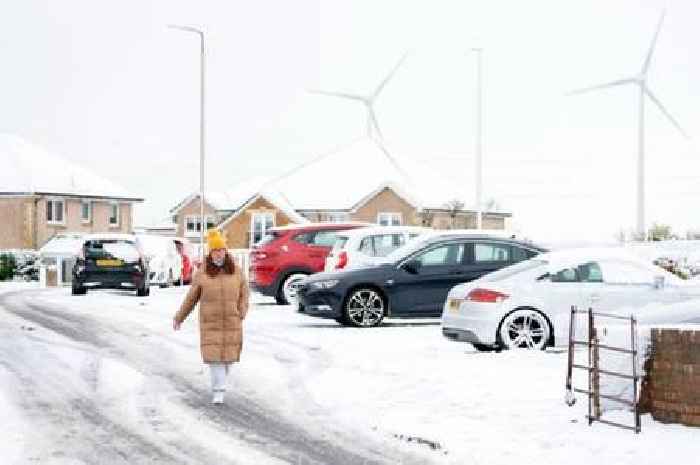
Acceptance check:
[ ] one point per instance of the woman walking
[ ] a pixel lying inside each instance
(222, 291)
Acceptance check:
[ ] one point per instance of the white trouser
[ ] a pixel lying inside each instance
(219, 372)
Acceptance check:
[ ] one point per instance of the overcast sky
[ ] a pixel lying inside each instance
(106, 84)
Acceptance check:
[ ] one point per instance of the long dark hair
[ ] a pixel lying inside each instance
(212, 270)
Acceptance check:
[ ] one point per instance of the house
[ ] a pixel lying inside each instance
(360, 182)
(42, 195)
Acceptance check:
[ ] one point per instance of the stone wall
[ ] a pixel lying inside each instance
(671, 387)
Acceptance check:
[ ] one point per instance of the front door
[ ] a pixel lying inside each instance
(424, 293)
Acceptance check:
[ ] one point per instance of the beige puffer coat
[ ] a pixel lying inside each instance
(223, 305)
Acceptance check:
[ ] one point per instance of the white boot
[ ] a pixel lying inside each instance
(218, 397)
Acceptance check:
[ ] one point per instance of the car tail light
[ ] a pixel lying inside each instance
(342, 261)
(486, 296)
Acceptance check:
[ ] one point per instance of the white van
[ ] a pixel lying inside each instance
(367, 246)
(164, 262)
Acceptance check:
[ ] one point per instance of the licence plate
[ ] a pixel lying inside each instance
(109, 262)
(454, 304)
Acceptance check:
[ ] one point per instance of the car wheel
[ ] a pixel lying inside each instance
(78, 290)
(288, 291)
(364, 307)
(524, 329)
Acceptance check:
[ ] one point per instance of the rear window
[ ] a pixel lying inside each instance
(271, 236)
(111, 250)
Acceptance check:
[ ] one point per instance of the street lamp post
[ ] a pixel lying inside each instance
(477, 139)
(203, 223)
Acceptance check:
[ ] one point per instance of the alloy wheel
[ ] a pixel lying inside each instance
(365, 308)
(525, 329)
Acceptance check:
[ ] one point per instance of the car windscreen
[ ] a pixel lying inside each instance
(409, 248)
(111, 250)
(513, 270)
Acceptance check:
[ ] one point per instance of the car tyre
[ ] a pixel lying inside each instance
(78, 290)
(286, 294)
(364, 308)
(524, 329)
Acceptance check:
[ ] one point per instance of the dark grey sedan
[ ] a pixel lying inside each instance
(414, 280)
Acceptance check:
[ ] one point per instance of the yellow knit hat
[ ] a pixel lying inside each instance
(215, 240)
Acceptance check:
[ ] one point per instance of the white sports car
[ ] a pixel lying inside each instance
(528, 305)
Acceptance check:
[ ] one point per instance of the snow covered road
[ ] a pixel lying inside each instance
(103, 379)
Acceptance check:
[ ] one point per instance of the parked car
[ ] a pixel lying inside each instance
(528, 305)
(186, 252)
(358, 248)
(288, 254)
(164, 263)
(110, 261)
(413, 281)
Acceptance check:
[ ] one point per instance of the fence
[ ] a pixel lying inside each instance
(242, 259)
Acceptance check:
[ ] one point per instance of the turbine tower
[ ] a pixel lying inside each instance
(368, 100)
(644, 90)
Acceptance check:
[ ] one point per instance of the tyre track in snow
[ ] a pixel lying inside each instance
(243, 418)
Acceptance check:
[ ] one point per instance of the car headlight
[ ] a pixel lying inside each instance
(327, 284)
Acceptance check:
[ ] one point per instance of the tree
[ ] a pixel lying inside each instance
(660, 232)
(454, 207)
(7, 266)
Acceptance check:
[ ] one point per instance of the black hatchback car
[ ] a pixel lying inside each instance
(113, 261)
(414, 280)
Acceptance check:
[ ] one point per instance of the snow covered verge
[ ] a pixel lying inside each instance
(402, 384)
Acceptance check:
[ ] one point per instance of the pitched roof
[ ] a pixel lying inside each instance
(342, 179)
(28, 169)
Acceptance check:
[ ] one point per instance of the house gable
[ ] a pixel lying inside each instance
(191, 207)
(237, 227)
(386, 200)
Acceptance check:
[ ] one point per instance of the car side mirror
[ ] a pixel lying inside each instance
(659, 282)
(412, 266)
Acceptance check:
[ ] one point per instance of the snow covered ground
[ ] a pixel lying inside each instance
(106, 372)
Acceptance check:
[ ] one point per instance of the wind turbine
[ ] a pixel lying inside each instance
(641, 81)
(368, 100)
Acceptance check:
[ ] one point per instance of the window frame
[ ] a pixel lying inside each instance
(118, 215)
(265, 227)
(51, 207)
(391, 216)
(83, 220)
(196, 220)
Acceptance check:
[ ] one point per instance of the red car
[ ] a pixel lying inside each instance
(186, 251)
(290, 253)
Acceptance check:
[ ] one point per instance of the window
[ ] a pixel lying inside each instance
(86, 211)
(260, 224)
(389, 219)
(325, 238)
(193, 225)
(114, 214)
(567, 275)
(446, 255)
(337, 217)
(590, 273)
(55, 210)
(484, 252)
(381, 245)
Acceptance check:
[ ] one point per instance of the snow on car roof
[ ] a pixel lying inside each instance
(109, 236)
(383, 230)
(315, 226)
(29, 169)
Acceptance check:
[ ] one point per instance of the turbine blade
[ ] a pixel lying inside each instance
(340, 95)
(619, 82)
(375, 123)
(663, 109)
(647, 61)
(386, 80)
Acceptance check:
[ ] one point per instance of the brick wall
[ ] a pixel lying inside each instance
(671, 388)
(72, 219)
(386, 201)
(237, 231)
(192, 208)
(17, 223)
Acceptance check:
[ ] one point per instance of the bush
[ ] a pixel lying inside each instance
(8, 265)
